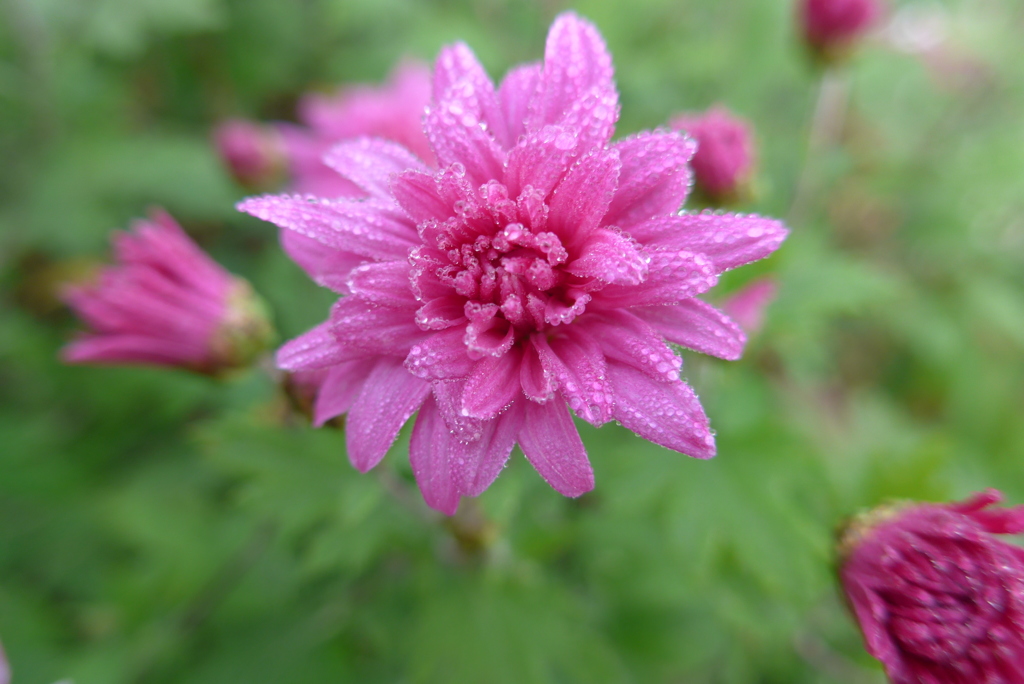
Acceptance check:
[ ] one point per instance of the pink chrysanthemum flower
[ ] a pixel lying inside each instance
(166, 303)
(540, 268)
(747, 306)
(831, 27)
(259, 154)
(724, 161)
(938, 597)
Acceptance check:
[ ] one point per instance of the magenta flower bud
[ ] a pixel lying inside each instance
(724, 161)
(832, 27)
(254, 154)
(167, 303)
(747, 306)
(938, 597)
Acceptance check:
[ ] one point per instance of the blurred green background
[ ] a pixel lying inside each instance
(157, 527)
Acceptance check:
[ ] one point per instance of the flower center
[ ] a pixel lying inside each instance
(517, 272)
(501, 269)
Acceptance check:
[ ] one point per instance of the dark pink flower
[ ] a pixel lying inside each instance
(830, 27)
(747, 306)
(539, 269)
(939, 599)
(724, 160)
(166, 303)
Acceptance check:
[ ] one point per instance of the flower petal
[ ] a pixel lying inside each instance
(379, 330)
(126, 348)
(540, 160)
(431, 199)
(564, 309)
(441, 356)
(550, 442)
(581, 200)
(514, 95)
(493, 384)
(423, 278)
(161, 243)
(389, 396)
(430, 451)
(364, 227)
(370, 163)
(491, 337)
(655, 177)
(316, 349)
(458, 134)
(576, 362)
(729, 240)
(537, 383)
(611, 257)
(448, 395)
(456, 65)
(672, 277)
(696, 325)
(327, 267)
(416, 192)
(442, 312)
(385, 283)
(627, 339)
(992, 520)
(577, 85)
(668, 414)
(476, 464)
(456, 190)
(339, 390)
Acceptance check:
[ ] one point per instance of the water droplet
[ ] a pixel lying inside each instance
(565, 140)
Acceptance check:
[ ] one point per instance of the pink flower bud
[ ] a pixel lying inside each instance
(938, 597)
(831, 27)
(724, 160)
(167, 303)
(747, 306)
(254, 154)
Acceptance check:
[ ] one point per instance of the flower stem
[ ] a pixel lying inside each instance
(826, 127)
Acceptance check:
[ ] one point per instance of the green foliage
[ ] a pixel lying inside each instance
(162, 528)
